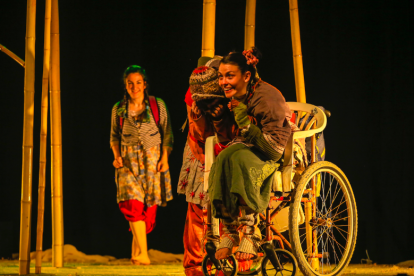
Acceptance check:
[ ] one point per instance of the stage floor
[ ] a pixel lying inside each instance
(8, 267)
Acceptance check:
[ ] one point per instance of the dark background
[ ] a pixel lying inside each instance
(358, 62)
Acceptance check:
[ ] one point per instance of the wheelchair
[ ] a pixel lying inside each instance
(322, 213)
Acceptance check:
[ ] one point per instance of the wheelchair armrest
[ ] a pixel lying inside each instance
(319, 117)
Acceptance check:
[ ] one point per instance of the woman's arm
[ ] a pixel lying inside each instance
(269, 107)
(118, 162)
(167, 135)
(252, 133)
(115, 138)
(197, 125)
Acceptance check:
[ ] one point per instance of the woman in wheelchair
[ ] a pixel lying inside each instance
(240, 178)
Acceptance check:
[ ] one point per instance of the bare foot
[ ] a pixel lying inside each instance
(223, 253)
(241, 256)
(141, 260)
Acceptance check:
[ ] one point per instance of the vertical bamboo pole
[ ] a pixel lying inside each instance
(209, 28)
(297, 51)
(250, 24)
(56, 141)
(43, 139)
(27, 162)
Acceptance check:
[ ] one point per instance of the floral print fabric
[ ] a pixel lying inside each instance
(138, 178)
(191, 181)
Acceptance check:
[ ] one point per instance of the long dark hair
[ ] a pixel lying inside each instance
(134, 69)
(237, 58)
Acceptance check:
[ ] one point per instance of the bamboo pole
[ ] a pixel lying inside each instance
(209, 27)
(56, 141)
(297, 51)
(12, 55)
(27, 162)
(43, 140)
(250, 24)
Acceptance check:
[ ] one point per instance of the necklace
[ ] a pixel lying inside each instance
(135, 113)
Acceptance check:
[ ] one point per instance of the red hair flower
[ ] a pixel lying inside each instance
(251, 59)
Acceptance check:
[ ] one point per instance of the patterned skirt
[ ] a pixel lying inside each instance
(191, 181)
(138, 178)
(240, 171)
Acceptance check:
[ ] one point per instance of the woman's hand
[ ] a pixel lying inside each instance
(216, 111)
(195, 109)
(232, 104)
(118, 162)
(240, 113)
(163, 165)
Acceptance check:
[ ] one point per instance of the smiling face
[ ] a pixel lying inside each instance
(135, 85)
(232, 81)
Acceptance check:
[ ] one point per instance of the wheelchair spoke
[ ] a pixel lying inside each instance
(330, 187)
(340, 213)
(340, 232)
(302, 235)
(342, 225)
(323, 233)
(332, 201)
(343, 218)
(340, 203)
(331, 208)
(333, 238)
(334, 251)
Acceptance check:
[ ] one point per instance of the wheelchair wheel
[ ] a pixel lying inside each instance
(325, 242)
(229, 267)
(286, 259)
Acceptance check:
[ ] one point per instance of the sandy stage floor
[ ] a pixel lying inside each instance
(78, 263)
(11, 268)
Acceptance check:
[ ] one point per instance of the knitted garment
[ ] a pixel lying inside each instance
(268, 106)
(255, 136)
(204, 84)
(230, 236)
(250, 242)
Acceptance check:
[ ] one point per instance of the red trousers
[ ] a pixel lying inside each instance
(135, 210)
(193, 235)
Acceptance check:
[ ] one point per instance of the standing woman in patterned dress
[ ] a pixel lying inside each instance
(141, 147)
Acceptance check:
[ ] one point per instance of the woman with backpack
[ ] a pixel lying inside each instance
(141, 141)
